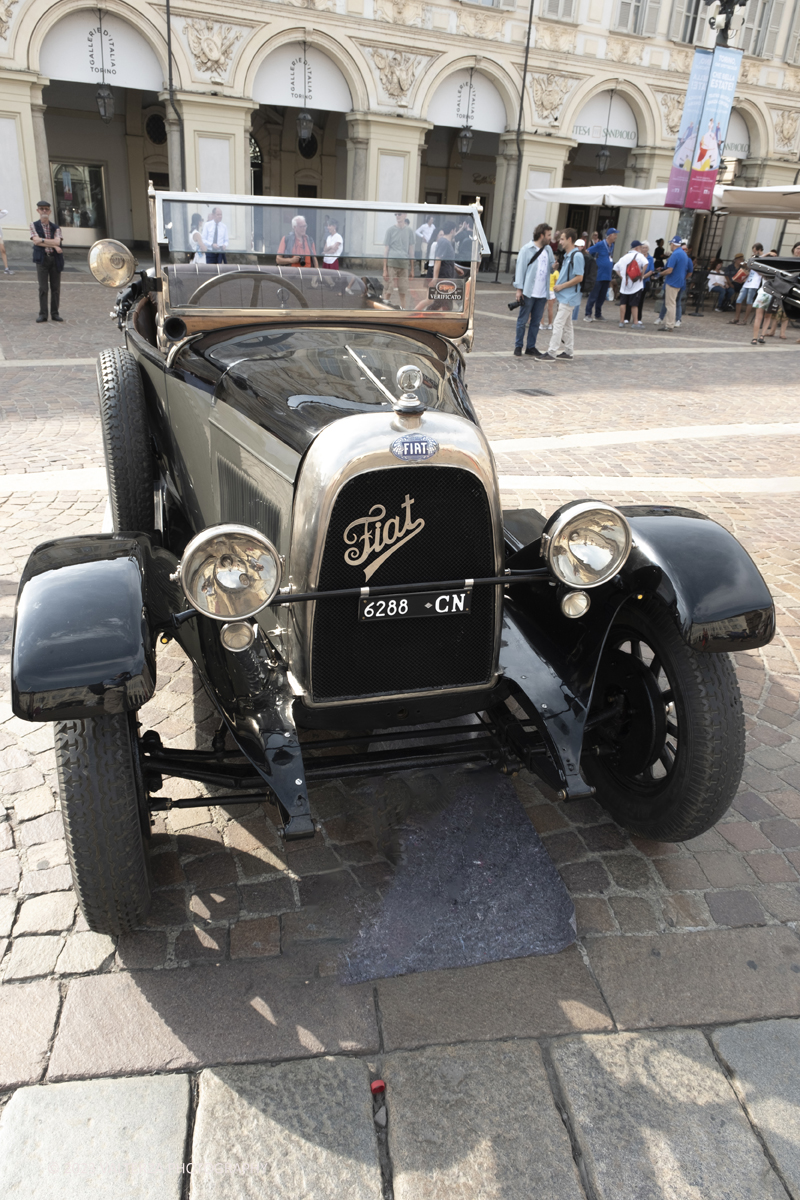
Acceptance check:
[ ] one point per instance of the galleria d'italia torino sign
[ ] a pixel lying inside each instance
(84, 48)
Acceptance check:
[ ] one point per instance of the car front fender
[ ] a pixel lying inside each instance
(703, 575)
(82, 642)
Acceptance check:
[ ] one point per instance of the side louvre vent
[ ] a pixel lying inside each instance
(242, 504)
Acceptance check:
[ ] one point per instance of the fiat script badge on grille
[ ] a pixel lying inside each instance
(414, 447)
(373, 534)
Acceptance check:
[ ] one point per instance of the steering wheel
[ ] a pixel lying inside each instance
(257, 276)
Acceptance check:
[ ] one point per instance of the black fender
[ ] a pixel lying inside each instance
(83, 642)
(704, 576)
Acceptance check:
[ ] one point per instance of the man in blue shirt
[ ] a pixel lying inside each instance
(677, 268)
(532, 281)
(568, 295)
(602, 252)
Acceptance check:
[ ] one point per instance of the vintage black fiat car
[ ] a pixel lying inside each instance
(303, 497)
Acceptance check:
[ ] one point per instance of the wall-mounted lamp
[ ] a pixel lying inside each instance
(105, 103)
(465, 135)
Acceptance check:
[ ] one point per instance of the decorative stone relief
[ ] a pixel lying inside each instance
(478, 178)
(671, 112)
(557, 38)
(621, 51)
(549, 94)
(681, 60)
(785, 123)
(400, 12)
(395, 71)
(212, 46)
(479, 24)
(5, 16)
(749, 72)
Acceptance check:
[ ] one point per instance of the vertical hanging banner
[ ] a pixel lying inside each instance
(713, 126)
(687, 135)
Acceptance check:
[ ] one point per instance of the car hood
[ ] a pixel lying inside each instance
(295, 383)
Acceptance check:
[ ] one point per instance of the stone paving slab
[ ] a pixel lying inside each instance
(764, 1061)
(284, 1132)
(28, 1013)
(699, 978)
(476, 1122)
(656, 1119)
(524, 998)
(107, 1139)
(141, 1021)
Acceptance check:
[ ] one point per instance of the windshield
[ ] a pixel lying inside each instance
(288, 255)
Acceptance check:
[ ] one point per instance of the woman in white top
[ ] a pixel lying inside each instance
(196, 239)
(631, 289)
(334, 245)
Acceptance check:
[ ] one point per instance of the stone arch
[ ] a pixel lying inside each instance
(438, 72)
(256, 52)
(642, 103)
(38, 22)
(758, 126)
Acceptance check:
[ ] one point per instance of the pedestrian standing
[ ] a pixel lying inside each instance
(398, 257)
(215, 236)
(602, 253)
(334, 244)
(425, 232)
(677, 268)
(631, 270)
(749, 290)
(535, 261)
(568, 294)
(6, 271)
(49, 259)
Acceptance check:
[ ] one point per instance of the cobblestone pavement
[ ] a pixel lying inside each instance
(237, 962)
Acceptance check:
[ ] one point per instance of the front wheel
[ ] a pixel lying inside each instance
(104, 811)
(664, 744)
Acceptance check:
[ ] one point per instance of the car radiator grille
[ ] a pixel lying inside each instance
(241, 503)
(359, 658)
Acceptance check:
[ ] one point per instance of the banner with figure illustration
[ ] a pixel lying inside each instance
(713, 127)
(687, 135)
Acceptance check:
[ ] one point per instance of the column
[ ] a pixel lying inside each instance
(543, 160)
(383, 157)
(40, 143)
(22, 152)
(216, 137)
(134, 140)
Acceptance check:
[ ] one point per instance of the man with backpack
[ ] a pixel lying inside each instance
(535, 261)
(568, 295)
(601, 252)
(631, 269)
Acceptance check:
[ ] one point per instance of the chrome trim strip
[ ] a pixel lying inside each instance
(356, 445)
(371, 376)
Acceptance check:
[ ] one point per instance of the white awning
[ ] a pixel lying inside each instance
(606, 120)
(83, 48)
(280, 80)
(782, 202)
(616, 197)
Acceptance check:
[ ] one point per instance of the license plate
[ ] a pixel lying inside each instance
(413, 604)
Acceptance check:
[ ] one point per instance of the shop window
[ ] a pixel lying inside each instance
(79, 192)
(638, 16)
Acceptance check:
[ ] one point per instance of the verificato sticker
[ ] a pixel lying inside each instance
(414, 447)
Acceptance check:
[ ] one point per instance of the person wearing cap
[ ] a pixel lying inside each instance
(49, 259)
(398, 248)
(602, 253)
(675, 273)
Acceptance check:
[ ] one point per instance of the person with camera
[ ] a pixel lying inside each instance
(535, 261)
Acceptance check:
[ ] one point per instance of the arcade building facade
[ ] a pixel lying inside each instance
(411, 101)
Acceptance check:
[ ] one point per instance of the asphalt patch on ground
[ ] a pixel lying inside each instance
(473, 884)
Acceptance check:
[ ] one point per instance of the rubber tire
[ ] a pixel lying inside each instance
(126, 440)
(102, 805)
(710, 719)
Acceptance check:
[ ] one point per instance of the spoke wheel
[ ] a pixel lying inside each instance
(664, 745)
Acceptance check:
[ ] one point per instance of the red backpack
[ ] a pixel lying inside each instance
(633, 271)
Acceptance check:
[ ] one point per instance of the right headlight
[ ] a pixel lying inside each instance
(230, 572)
(586, 543)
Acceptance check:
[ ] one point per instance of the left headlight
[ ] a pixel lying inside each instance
(230, 572)
(586, 543)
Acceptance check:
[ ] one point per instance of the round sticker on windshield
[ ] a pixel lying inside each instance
(414, 447)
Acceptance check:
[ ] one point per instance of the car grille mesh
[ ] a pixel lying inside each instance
(358, 658)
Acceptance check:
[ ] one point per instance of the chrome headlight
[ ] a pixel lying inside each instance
(230, 572)
(586, 543)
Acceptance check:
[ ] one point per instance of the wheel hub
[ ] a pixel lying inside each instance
(634, 737)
